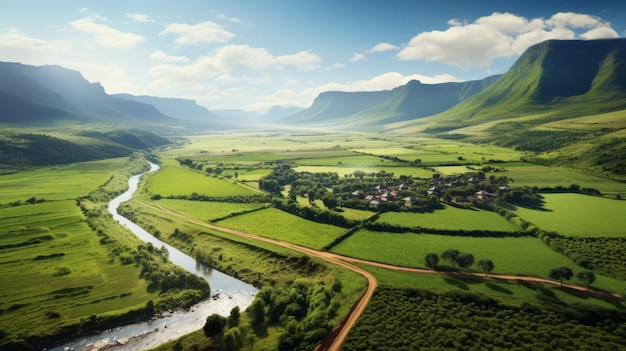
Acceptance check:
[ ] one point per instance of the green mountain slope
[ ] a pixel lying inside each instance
(561, 78)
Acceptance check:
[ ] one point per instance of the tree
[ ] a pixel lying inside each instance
(465, 260)
(560, 273)
(330, 201)
(256, 312)
(214, 325)
(486, 266)
(311, 196)
(586, 277)
(431, 260)
(233, 319)
(451, 255)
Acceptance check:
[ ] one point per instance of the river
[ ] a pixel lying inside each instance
(227, 293)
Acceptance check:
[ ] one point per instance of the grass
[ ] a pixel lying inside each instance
(207, 211)
(57, 183)
(578, 215)
(52, 261)
(464, 219)
(519, 256)
(172, 181)
(512, 292)
(276, 224)
(416, 172)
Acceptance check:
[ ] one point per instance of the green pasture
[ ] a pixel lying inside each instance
(511, 255)
(513, 292)
(348, 213)
(353, 160)
(531, 175)
(183, 181)
(53, 262)
(58, 182)
(451, 218)
(206, 210)
(415, 172)
(276, 224)
(578, 215)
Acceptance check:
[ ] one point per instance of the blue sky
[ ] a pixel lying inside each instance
(257, 54)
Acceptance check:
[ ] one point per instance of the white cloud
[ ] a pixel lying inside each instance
(201, 33)
(382, 47)
(163, 57)
(106, 36)
(224, 60)
(357, 57)
(113, 77)
(140, 18)
(303, 60)
(500, 35)
(229, 79)
(338, 65)
(230, 19)
(16, 46)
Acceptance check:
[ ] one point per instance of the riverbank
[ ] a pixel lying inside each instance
(170, 327)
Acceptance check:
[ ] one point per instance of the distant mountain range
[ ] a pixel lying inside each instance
(529, 107)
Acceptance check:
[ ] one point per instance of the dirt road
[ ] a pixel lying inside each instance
(338, 335)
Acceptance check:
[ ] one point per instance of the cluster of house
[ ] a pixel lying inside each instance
(383, 194)
(437, 184)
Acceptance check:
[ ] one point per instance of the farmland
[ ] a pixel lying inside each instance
(309, 171)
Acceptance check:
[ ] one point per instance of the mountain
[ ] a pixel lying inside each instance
(558, 78)
(45, 93)
(410, 101)
(183, 109)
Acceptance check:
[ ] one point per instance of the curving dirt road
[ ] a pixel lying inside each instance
(338, 335)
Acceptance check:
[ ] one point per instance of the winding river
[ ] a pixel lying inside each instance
(227, 293)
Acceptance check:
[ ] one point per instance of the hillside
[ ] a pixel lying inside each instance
(563, 100)
(45, 93)
(410, 101)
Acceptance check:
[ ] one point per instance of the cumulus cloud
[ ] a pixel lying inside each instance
(477, 44)
(303, 60)
(201, 33)
(16, 46)
(382, 47)
(106, 36)
(163, 57)
(224, 60)
(357, 57)
(140, 18)
(230, 19)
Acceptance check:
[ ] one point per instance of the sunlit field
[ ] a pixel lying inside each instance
(276, 224)
(57, 183)
(521, 256)
(450, 218)
(579, 215)
(182, 181)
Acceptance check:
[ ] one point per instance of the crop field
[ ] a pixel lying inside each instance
(531, 175)
(349, 213)
(512, 292)
(206, 210)
(57, 183)
(182, 181)
(521, 256)
(276, 224)
(463, 219)
(57, 271)
(579, 215)
(415, 172)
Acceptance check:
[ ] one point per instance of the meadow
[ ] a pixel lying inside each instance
(578, 215)
(207, 210)
(172, 181)
(276, 224)
(526, 256)
(462, 219)
(57, 183)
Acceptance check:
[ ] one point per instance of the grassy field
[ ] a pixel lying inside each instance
(513, 292)
(276, 224)
(578, 215)
(182, 181)
(462, 219)
(415, 172)
(58, 272)
(520, 256)
(57, 183)
(207, 211)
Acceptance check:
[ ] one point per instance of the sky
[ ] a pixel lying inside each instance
(256, 54)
